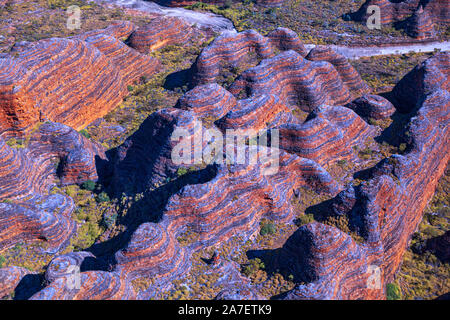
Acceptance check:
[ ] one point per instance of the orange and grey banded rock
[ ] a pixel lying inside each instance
(64, 265)
(38, 82)
(296, 80)
(27, 175)
(420, 25)
(160, 32)
(240, 50)
(208, 101)
(421, 16)
(10, 278)
(387, 207)
(333, 266)
(372, 106)
(328, 135)
(23, 222)
(347, 72)
(94, 285)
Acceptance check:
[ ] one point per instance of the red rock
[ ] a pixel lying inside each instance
(422, 15)
(240, 50)
(297, 81)
(26, 177)
(372, 106)
(326, 137)
(160, 32)
(10, 278)
(37, 80)
(347, 72)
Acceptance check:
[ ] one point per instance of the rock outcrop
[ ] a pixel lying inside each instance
(27, 174)
(347, 72)
(372, 106)
(240, 51)
(10, 278)
(328, 136)
(387, 207)
(421, 16)
(160, 32)
(297, 81)
(38, 82)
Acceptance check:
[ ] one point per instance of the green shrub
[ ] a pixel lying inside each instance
(254, 266)
(182, 171)
(16, 143)
(85, 133)
(88, 185)
(109, 221)
(304, 219)
(393, 292)
(103, 197)
(2, 261)
(267, 228)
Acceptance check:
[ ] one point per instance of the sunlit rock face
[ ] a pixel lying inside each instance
(219, 200)
(72, 81)
(29, 212)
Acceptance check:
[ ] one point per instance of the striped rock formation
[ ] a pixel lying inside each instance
(347, 72)
(9, 279)
(208, 101)
(328, 135)
(28, 212)
(160, 32)
(387, 207)
(372, 106)
(233, 200)
(212, 103)
(38, 82)
(421, 15)
(143, 161)
(331, 263)
(297, 81)
(95, 285)
(240, 50)
(420, 25)
(64, 265)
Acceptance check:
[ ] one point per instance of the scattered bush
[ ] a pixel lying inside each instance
(393, 292)
(254, 266)
(2, 261)
(267, 228)
(88, 185)
(103, 197)
(85, 133)
(304, 219)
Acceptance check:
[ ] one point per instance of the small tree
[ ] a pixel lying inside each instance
(88, 185)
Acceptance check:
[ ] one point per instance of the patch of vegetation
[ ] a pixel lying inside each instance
(16, 143)
(88, 185)
(188, 237)
(237, 14)
(141, 284)
(252, 268)
(393, 292)
(2, 261)
(304, 219)
(103, 197)
(85, 133)
(383, 72)
(267, 227)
